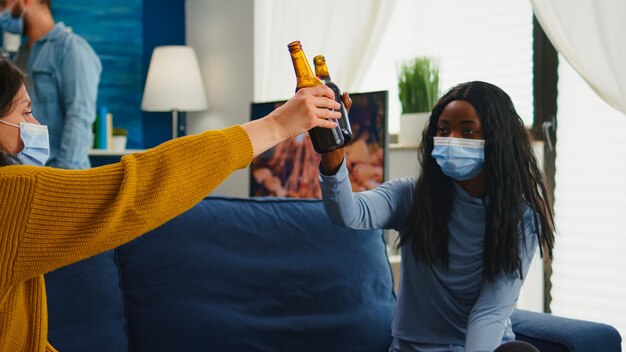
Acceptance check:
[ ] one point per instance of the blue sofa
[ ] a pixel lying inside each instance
(260, 274)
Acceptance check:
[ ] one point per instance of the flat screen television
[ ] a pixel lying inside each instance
(291, 168)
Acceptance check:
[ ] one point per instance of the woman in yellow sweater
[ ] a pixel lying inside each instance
(52, 217)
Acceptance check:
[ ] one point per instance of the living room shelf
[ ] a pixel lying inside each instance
(396, 146)
(110, 152)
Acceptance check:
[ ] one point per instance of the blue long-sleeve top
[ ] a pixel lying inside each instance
(64, 72)
(437, 309)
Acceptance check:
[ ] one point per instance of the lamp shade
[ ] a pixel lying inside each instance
(174, 81)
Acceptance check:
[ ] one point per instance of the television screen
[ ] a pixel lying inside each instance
(291, 168)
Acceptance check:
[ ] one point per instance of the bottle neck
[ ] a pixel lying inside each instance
(304, 75)
(321, 71)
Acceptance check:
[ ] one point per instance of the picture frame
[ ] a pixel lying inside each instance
(291, 169)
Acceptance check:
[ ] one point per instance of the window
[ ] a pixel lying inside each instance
(487, 40)
(588, 279)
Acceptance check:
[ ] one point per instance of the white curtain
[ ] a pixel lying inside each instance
(346, 32)
(588, 277)
(590, 35)
(588, 280)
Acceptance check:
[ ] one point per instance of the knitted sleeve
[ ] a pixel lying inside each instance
(52, 217)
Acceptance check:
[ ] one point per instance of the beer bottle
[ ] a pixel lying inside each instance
(324, 139)
(321, 71)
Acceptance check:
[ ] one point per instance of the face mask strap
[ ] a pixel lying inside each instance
(10, 124)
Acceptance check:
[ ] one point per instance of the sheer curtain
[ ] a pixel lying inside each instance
(346, 32)
(590, 35)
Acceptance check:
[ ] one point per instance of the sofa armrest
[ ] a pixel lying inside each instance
(551, 333)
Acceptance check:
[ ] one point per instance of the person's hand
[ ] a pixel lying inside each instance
(329, 165)
(347, 102)
(308, 108)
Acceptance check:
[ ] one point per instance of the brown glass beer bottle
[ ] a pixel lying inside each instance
(321, 71)
(324, 139)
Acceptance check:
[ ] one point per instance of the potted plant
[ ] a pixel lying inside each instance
(120, 136)
(418, 90)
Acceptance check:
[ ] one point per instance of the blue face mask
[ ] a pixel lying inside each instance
(459, 158)
(36, 144)
(14, 25)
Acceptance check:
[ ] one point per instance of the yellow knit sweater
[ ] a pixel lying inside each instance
(51, 217)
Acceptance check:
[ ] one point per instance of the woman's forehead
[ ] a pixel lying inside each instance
(460, 110)
(22, 98)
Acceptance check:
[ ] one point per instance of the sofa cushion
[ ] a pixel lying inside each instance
(257, 275)
(85, 307)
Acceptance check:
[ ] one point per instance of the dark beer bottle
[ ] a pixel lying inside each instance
(324, 139)
(321, 71)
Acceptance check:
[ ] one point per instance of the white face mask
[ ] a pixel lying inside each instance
(459, 158)
(13, 25)
(36, 143)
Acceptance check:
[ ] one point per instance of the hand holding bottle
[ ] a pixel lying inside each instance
(321, 71)
(347, 102)
(323, 139)
(329, 165)
(308, 108)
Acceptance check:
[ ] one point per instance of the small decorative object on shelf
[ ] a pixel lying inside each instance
(418, 90)
(116, 146)
(101, 128)
(120, 136)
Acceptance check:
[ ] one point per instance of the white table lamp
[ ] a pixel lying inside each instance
(174, 83)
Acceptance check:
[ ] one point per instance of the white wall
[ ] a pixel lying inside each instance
(222, 33)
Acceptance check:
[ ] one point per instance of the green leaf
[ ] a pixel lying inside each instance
(418, 85)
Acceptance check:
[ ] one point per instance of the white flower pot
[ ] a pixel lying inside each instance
(411, 127)
(119, 142)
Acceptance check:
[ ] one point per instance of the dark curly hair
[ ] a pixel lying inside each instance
(513, 181)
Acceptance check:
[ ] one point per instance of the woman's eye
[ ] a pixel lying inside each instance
(28, 114)
(442, 130)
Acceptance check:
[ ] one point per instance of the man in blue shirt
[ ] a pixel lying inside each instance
(64, 72)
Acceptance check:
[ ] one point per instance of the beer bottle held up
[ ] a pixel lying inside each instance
(324, 139)
(321, 71)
